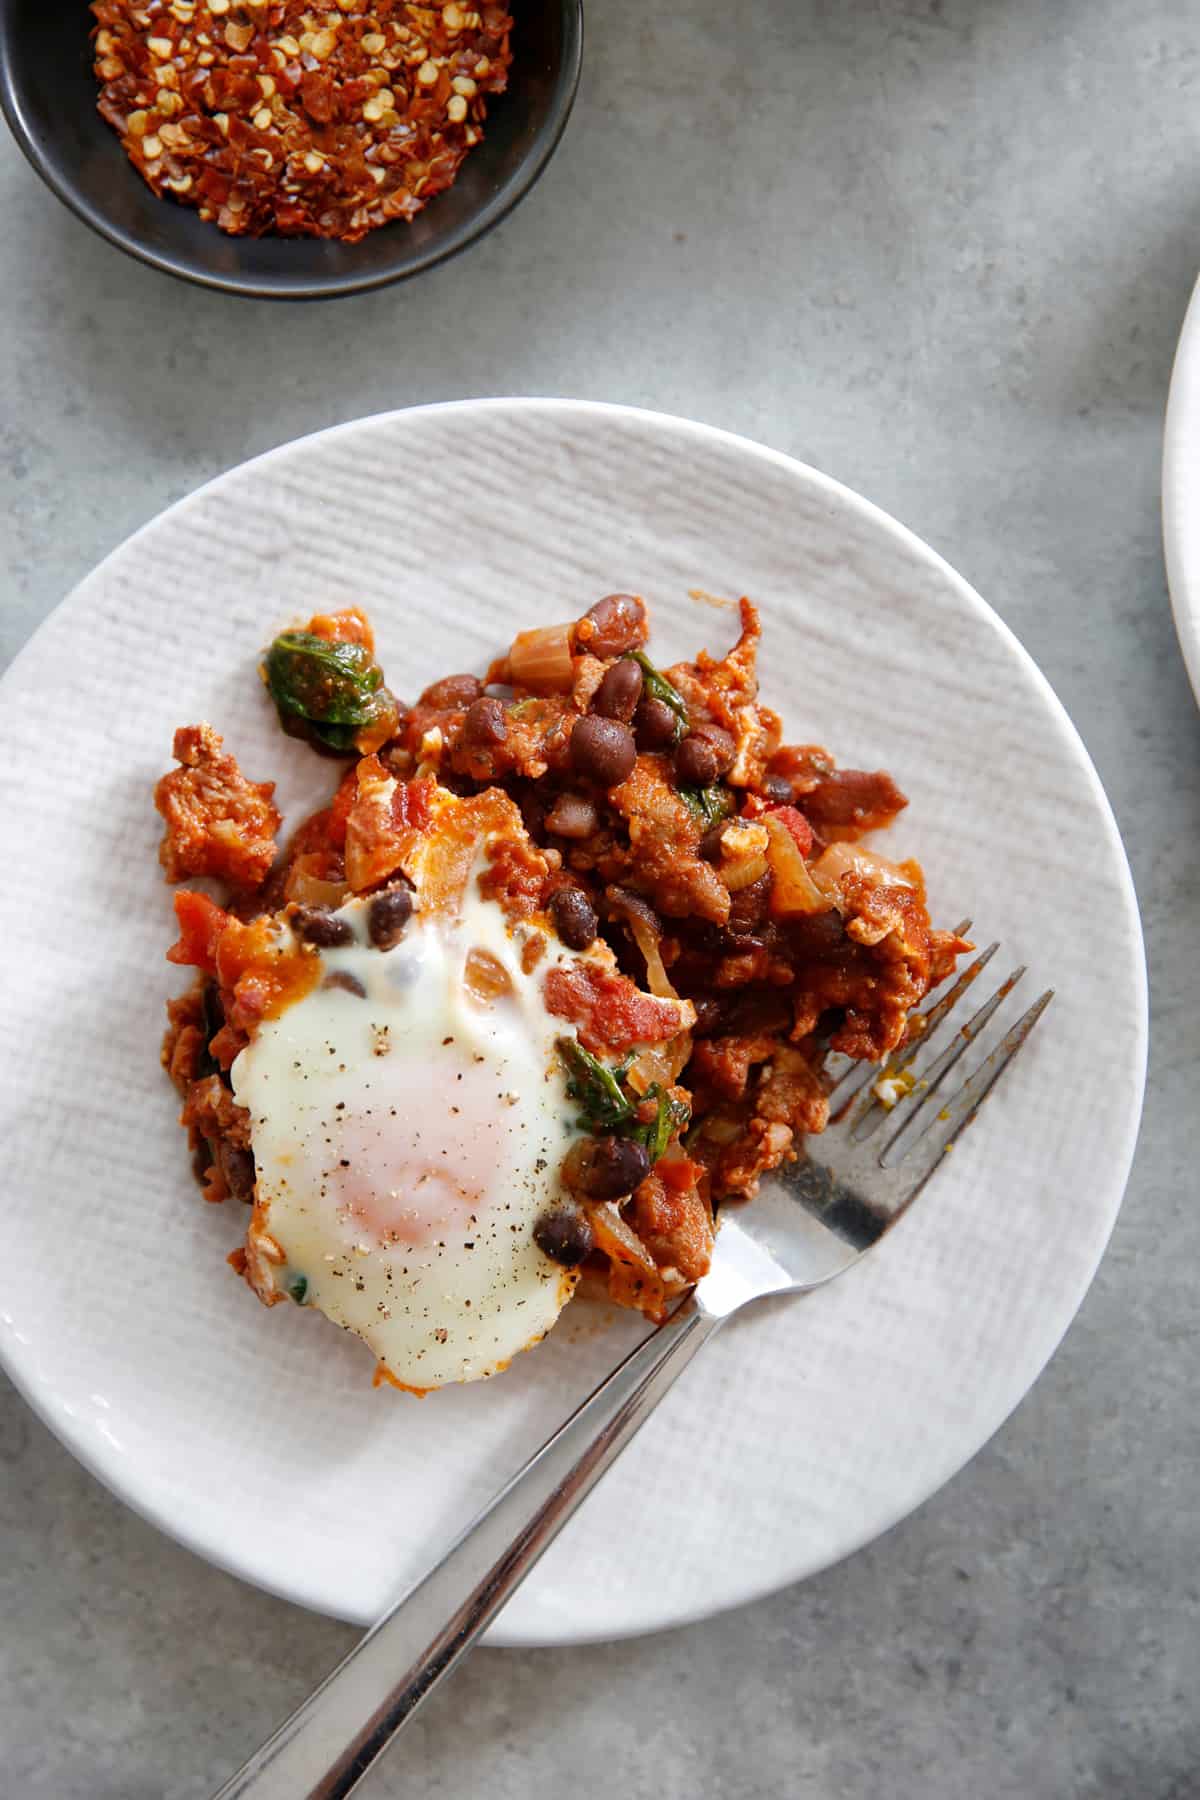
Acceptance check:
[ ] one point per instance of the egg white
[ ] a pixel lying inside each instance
(406, 1140)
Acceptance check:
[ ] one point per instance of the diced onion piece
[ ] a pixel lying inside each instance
(308, 889)
(744, 872)
(743, 853)
(485, 978)
(634, 1279)
(616, 1238)
(540, 660)
(442, 858)
(794, 892)
(842, 859)
(661, 1063)
(646, 939)
(720, 1130)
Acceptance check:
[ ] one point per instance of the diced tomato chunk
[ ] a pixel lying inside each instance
(258, 975)
(201, 922)
(608, 1010)
(411, 808)
(339, 811)
(678, 1172)
(797, 824)
(383, 821)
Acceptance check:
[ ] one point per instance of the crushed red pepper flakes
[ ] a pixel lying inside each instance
(308, 121)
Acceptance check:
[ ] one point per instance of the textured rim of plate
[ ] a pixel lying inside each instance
(231, 1561)
(1180, 488)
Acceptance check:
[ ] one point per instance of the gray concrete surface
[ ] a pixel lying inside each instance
(942, 249)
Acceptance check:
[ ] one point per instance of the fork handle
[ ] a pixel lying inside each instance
(323, 1751)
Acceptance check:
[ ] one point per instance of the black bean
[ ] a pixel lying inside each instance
(819, 935)
(777, 789)
(564, 1235)
(485, 724)
(574, 917)
(736, 944)
(571, 816)
(452, 691)
(696, 762)
(748, 906)
(387, 916)
(620, 622)
(237, 1166)
(532, 810)
(710, 847)
(618, 694)
(342, 978)
(720, 741)
(318, 926)
(709, 1013)
(604, 1168)
(654, 725)
(603, 750)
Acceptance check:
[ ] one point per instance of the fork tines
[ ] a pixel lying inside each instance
(893, 1103)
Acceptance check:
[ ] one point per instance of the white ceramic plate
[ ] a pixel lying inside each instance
(1181, 490)
(255, 1437)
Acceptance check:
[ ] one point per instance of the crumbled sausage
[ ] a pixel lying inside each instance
(217, 822)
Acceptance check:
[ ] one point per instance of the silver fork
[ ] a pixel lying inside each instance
(811, 1221)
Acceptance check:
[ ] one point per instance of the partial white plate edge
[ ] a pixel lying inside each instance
(1181, 490)
(497, 1637)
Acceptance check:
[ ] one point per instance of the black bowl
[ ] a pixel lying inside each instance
(48, 93)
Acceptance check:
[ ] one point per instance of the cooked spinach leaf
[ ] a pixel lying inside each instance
(657, 687)
(710, 804)
(672, 1116)
(323, 691)
(607, 1107)
(595, 1086)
